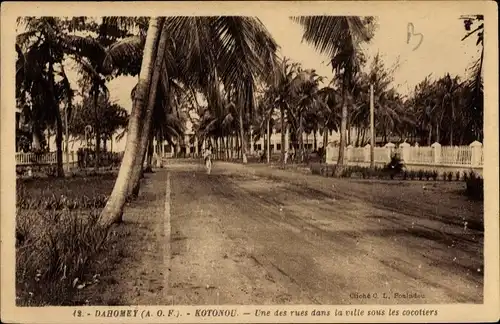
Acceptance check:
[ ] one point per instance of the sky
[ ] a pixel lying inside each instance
(441, 50)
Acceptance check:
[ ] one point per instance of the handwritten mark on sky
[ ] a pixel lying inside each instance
(411, 32)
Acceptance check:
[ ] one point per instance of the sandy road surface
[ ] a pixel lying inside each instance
(241, 237)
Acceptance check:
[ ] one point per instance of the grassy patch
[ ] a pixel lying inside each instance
(57, 237)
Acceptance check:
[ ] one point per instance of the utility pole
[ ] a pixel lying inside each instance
(372, 129)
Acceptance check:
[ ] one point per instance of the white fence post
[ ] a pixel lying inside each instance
(436, 149)
(390, 148)
(367, 152)
(349, 153)
(405, 152)
(476, 153)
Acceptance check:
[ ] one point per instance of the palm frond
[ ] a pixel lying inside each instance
(124, 56)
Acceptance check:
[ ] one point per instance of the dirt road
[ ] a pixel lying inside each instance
(250, 235)
(256, 235)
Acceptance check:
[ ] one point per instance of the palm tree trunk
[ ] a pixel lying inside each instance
(215, 148)
(315, 141)
(343, 125)
(59, 125)
(357, 136)
(437, 133)
(223, 147)
(113, 210)
(429, 139)
(268, 142)
(325, 137)
(59, 145)
(36, 144)
(348, 132)
(149, 156)
(242, 137)
(146, 132)
(283, 134)
(452, 121)
(97, 129)
(301, 138)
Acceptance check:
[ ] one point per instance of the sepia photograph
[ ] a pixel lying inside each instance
(274, 157)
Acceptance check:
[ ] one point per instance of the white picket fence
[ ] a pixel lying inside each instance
(48, 158)
(43, 158)
(470, 156)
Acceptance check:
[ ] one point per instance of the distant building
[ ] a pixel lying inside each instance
(190, 145)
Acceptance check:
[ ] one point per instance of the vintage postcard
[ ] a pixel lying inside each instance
(253, 162)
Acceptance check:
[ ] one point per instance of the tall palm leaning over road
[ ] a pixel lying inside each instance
(113, 210)
(236, 52)
(340, 38)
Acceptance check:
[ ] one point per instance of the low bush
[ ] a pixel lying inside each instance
(474, 186)
(394, 169)
(317, 168)
(395, 166)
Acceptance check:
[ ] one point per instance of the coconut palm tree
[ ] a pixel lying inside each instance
(112, 116)
(113, 210)
(305, 99)
(219, 120)
(340, 38)
(264, 120)
(41, 51)
(330, 115)
(280, 92)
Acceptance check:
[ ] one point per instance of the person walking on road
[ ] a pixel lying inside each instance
(208, 158)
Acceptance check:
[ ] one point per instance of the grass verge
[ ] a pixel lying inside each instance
(58, 239)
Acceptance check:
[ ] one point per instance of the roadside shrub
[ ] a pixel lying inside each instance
(435, 175)
(420, 175)
(395, 166)
(475, 186)
(317, 169)
(51, 171)
(457, 176)
(450, 176)
(346, 172)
